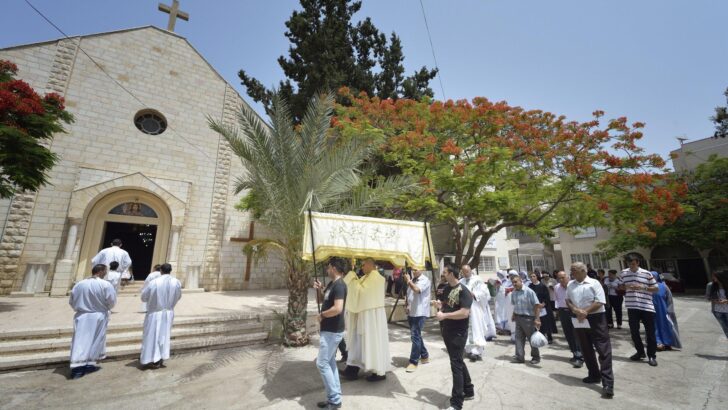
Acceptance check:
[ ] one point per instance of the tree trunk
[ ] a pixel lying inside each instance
(295, 327)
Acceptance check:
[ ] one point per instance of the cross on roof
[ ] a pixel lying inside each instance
(174, 14)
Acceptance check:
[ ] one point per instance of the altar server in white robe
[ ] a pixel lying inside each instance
(482, 326)
(161, 295)
(113, 276)
(92, 299)
(153, 275)
(501, 318)
(113, 253)
(509, 305)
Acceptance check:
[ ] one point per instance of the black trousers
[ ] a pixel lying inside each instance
(597, 338)
(565, 319)
(615, 306)
(461, 384)
(635, 316)
(342, 348)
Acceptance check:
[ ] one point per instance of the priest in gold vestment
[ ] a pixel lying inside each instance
(367, 334)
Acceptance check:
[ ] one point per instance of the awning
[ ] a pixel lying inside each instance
(364, 237)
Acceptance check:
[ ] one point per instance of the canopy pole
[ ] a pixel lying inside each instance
(432, 262)
(313, 255)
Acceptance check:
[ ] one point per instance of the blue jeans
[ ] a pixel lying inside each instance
(326, 363)
(723, 320)
(418, 345)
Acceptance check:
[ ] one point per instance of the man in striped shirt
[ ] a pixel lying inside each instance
(639, 285)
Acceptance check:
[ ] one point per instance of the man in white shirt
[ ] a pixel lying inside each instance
(92, 299)
(585, 297)
(613, 282)
(113, 253)
(565, 318)
(418, 310)
(113, 276)
(161, 295)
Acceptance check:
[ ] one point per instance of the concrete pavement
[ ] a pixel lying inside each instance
(281, 378)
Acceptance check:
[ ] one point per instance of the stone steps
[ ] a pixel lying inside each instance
(46, 347)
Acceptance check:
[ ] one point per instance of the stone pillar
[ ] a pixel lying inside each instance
(64, 274)
(211, 275)
(174, 244)
(192, 281)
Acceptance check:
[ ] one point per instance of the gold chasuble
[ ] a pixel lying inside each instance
(367, 335)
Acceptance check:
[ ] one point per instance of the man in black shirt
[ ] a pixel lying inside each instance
(453, 315)
(332, 330)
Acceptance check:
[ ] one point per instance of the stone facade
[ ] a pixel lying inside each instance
(188, 167)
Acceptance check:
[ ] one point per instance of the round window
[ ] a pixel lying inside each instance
(150, 122)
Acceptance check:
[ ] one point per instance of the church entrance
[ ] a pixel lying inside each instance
(139, 218)
(138, 240)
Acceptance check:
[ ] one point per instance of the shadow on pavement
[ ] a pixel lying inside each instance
(574, 381)
(8, 307)
(432, 397)
(711, 357)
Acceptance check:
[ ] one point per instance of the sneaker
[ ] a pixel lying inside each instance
(425, 360)
(637, 357)
(573, 360)
(608, 391)
(469, 397)
(578, 364)
(536, 360)
(652, 361)
(517, 360)
(327, 405)
(411, 368)
(375, 377)
(473, 358)
(591, 380)
(90, 369)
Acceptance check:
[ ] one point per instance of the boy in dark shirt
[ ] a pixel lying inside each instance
(453, 315)
(332, 330)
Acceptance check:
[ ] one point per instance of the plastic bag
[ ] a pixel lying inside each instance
(538, 340)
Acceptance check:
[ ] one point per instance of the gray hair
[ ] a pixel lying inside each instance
(579, 266)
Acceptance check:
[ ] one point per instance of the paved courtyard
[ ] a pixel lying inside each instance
(280, 378)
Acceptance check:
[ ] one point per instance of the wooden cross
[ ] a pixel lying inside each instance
(251, 234)
(174, 13)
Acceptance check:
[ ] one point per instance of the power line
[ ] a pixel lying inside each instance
(100, 67)
(432, 47)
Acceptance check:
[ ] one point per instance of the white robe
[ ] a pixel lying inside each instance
(482, 325)
(92, 299)
(501, 308)
(113, 254)
(114, 277)
(150, 277)
(160, 295)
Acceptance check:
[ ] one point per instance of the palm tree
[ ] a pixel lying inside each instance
(291, 169)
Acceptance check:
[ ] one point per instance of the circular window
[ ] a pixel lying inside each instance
(150, 122)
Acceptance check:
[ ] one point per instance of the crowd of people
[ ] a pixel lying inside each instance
(93, 298)
(586, 303)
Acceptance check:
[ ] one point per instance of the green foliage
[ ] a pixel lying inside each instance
(328, 51)
(27, 122)
(720, 119)
(705, 221)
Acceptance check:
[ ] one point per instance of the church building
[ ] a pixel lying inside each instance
(139, 164)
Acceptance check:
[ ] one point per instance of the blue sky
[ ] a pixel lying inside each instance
(663, 62)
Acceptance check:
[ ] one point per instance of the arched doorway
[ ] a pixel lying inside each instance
(717, 259)
(139, 218)
(683, 262)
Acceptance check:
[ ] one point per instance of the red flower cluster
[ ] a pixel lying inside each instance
(18, 96)
(7, 67)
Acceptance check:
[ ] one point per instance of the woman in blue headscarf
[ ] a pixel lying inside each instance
(666, 331)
